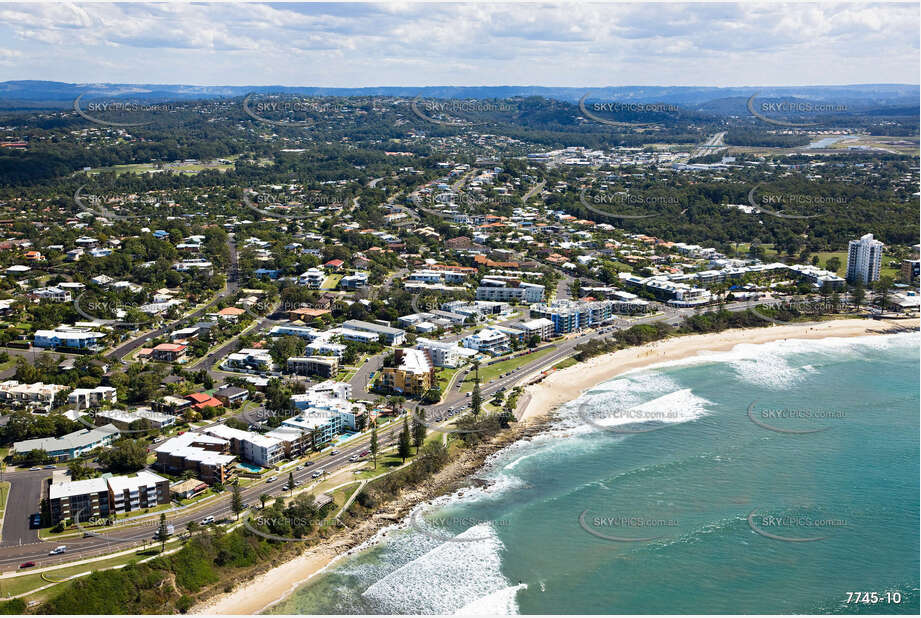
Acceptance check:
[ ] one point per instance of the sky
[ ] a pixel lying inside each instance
(462, 44)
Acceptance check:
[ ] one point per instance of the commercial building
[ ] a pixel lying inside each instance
(864, 258)
(72, 445)
(674, 293)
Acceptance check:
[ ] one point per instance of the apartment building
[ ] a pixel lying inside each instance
(123, 419)
(251, 359)
(568, 316)
(38, 394)
(487, 341)
(325, 366)
(102, 497)
(91, 397)
(393, 336)
(864, 258)
(512, 290)
(444, 354)
(206, 456)
(250, 446)
(144, 490)
(413, 374)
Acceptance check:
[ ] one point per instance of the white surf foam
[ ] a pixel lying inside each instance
(501, 602)
(444, 579)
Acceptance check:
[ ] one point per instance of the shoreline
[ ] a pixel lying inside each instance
(568, 384)
(539, 400)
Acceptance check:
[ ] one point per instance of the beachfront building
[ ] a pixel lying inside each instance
(864, 258)
(205, 456)
(488, 341)
(413, 373)
(253, 447)
(443, 353)
(86, 499)
(569, 316)
(143, 490)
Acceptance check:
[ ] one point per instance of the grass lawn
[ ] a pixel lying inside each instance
(568, 362)
(331, 282)
(492, 371)
(444, 376)
(341, 495)
(842, 270)
(24, 583)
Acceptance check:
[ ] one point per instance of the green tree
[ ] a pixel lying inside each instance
(162, 532)
(859, 294)
(883, 288)
(374, 447)
(405, 447)
(263, 499)
(418, 429)
(290, 481)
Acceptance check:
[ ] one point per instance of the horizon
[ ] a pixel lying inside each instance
(363, 45)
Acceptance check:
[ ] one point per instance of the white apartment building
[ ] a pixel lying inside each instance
(864, 257)
(488, 341)
(91, 397)
(444, 354)
(509, 291)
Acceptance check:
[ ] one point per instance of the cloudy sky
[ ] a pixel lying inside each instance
(412, 44)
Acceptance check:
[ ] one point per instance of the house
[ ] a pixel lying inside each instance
(68, 337)
(334, 265)
(169, 352)
(251, 359)
(354, 281)
(200, 401)
(306, 313)
(230, 314)
(231, 395)
(312, 278)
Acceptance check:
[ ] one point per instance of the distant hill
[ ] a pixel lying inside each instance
(877, 99)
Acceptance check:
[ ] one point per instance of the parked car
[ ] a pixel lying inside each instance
(331, 453)
(364, 453)
(60, 549)
(26, 565)
(207, 520)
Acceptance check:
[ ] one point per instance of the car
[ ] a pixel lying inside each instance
(299, 467)
(331, 453)
(353, 458)
(364, 454)
(271, 479)
(207, 520)
(26, 565)
(34, 468)
(308, 463)
(50, 467)
(60, 549)
(316, 473)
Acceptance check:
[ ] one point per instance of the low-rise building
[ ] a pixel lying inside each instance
(511, 290)
(326, 366)
(91, 397)
(38, 394)
(72, 445)
(123, 419)
(487, 341)
(444, 354)
(68, 337)
(206, 456)
(143, 490)
(393, 336)
(252, 447)
(413, 374)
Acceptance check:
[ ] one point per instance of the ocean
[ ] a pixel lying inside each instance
(775, 478)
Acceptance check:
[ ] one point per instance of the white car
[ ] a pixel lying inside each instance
(207, 520)
(60, 549)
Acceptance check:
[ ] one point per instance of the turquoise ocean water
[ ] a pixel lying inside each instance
(728, 506)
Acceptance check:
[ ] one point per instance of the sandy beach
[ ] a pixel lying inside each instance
(558, 388)
(567, 384)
